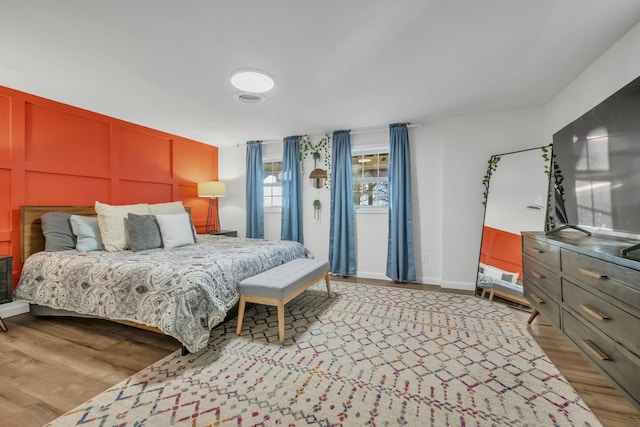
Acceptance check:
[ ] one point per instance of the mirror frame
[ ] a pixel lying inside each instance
(511, 291)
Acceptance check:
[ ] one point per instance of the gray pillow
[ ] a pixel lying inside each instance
(144, 232)
(58, 235)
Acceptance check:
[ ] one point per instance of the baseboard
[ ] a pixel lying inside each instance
(430, 281)
(465, 286)
(14, 308)
(368, 275)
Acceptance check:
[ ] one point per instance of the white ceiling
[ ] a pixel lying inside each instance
(337, 64)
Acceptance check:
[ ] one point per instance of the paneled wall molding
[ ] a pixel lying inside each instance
(56, 154)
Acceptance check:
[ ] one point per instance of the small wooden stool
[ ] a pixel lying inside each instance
(281, 284)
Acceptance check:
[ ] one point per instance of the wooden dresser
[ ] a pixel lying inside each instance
(592, 294)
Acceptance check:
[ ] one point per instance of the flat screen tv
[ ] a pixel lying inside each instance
(597, 167)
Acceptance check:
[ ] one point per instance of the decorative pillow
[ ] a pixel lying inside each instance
(58, 235)
(144, 232)
(88, 232)
(498, 274)
(176, 230)
(166, 208)
(112, 224)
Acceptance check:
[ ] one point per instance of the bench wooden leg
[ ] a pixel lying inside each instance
(534, 313)
(240, 314)
(491, 293)
(484, 293)
(326, 278)
(281, 321)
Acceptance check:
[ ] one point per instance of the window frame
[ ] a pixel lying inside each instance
(271, 209)
(357, 152)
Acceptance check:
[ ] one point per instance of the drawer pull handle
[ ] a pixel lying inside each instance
(593, 274)
(601, 355)
(537, 299)
(537, 275)
(538, 250)
(593, 313)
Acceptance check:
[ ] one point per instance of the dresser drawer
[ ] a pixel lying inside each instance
(622, 366)
(3, 268)
(542, 251)
(612, 321)
(543, 303)
(619, 282)
(543, 278)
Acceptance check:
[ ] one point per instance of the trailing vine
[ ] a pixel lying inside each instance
(318, 152)
(547, 160)
(550, 222)
(492, 165)
(556, 187)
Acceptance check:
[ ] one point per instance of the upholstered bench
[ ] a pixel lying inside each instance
(280, 285)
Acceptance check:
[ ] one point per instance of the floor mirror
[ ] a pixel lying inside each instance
(516, 199)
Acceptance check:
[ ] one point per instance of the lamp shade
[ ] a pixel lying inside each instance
(212, 189)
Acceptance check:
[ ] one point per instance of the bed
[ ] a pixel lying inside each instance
(183, 292)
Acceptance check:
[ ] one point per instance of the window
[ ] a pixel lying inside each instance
(370, 179)
(272, 184)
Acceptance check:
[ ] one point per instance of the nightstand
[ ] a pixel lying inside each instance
(6, 284)
(228, 233)
(6, 281)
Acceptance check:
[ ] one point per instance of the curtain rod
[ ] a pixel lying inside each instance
(353, 132)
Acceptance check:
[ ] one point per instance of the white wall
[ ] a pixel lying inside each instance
(449, 160)
(232, 170)
(468, 142)
(615, 68)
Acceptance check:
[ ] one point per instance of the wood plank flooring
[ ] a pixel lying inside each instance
(50, 365)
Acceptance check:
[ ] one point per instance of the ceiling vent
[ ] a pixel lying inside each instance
(249, 98)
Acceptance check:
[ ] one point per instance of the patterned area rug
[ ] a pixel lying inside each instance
(370, 355)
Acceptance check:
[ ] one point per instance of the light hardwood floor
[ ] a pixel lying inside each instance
(50, 365)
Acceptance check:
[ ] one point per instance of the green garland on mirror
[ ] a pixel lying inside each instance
(550, 222)
(492, 165)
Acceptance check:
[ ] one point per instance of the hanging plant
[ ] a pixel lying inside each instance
(491, 168)
(319, 153)
(316, 209)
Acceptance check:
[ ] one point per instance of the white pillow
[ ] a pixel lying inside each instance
(166, 208)
(111, 219)
(498, 274)
(88, 233)
(176, 230)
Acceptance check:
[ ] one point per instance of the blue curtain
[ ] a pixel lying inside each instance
(342, 239)
(291, 223)
(400, 262)
(255, 190)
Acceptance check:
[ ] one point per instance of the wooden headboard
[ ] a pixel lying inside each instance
(32, 239)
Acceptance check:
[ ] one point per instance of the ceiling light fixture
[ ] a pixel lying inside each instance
(253, 81)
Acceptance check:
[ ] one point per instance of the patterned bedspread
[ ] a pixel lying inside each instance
(184, 291)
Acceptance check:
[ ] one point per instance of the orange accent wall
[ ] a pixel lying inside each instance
(56, 154)
(501, 249)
